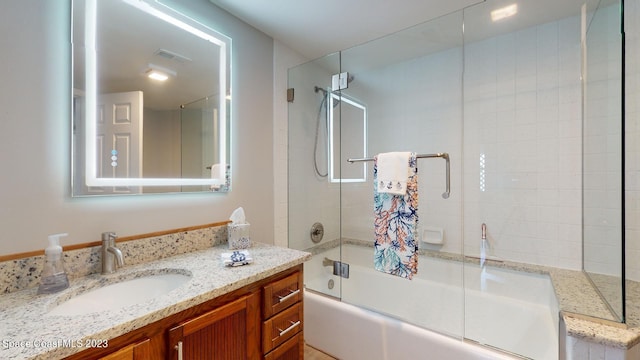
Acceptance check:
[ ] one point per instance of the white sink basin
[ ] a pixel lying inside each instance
(120, 294)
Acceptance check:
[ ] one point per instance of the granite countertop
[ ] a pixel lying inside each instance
(29, 332)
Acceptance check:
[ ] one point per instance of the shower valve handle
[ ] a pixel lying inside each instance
(317, 232)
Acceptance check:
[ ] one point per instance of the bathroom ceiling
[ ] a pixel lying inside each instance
(320, 27)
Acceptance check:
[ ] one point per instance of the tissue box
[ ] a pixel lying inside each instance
(239, 236)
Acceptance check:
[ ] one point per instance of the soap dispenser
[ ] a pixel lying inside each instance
(53, 278)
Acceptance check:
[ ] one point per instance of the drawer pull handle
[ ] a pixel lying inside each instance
(293, 325)
(291, 294)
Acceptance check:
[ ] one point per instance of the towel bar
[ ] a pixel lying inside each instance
(445, 195)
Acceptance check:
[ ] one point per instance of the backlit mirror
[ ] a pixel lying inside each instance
(347, 138)
(152, 99)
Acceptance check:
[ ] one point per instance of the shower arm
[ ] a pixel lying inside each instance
(447, 192)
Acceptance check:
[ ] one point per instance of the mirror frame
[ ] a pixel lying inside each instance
(173, 17)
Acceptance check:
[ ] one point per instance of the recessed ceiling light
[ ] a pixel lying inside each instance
(158, 72)
(157, 75)
(504, 12)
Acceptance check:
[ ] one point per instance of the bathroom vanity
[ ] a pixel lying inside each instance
(231, 326)
(244, 312)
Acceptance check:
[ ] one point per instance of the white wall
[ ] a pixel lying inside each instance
(284, 58)
(35, 137)
(311, 197)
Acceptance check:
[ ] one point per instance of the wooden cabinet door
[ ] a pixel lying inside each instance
(137, 351)
(231, 332)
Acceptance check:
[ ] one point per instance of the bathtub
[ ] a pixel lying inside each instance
(386, 317)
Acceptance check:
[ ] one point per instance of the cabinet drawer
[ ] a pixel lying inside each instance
(281, 327)
(292, 349)
(281, 294)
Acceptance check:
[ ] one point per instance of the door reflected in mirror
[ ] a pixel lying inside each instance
(152, 98)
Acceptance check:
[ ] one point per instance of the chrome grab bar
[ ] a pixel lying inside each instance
(447, 192)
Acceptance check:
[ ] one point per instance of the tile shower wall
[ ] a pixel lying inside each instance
(522, 142)
(523, 112)
(414, 105)
(522, 139)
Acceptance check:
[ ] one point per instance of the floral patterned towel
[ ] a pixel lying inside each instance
(396, 224)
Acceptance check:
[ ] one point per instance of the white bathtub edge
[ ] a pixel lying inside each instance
(348, 332)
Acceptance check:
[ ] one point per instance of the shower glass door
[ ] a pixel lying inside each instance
(410, 84)
(505, 100)
(402, 92)
(314, 200)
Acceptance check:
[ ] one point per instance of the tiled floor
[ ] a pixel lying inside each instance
(314, 354)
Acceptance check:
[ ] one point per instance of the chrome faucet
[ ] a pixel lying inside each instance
(111, 255)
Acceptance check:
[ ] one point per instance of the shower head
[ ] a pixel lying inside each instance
(317, 88)
(350, 78)
(325, 97)
(336, 100)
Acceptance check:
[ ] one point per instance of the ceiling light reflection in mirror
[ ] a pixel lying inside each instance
(504, 12)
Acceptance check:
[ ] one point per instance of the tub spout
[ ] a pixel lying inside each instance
(327, 262)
